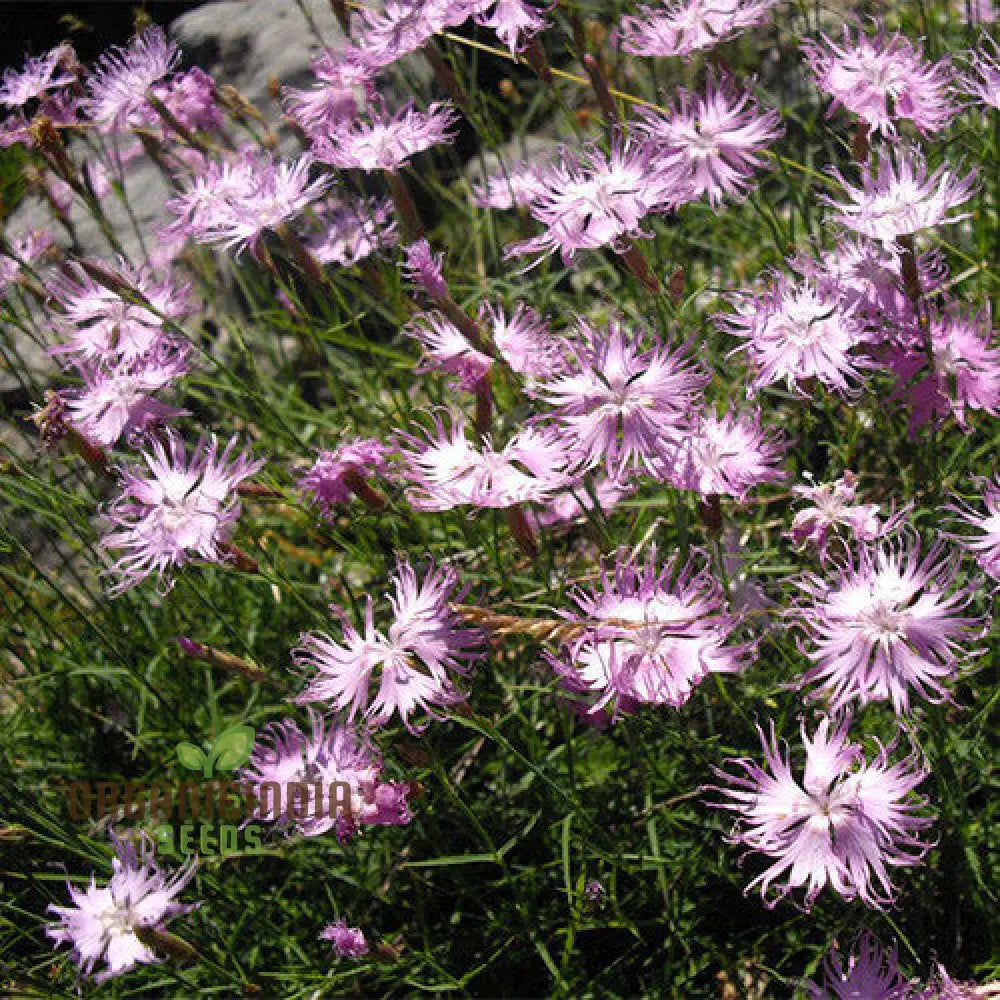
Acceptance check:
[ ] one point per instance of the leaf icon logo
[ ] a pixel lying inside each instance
(231, 750)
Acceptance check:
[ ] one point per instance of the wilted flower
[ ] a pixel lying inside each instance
(652, 635)
(336, 474)
(870, 973)
(384, 141)
(619, 404)
(415, 659)
(105, 924)
(328, 753)
(711, 144)
(797, 331)
(843, 825)
(425, 269)
(886, 624)
(681, 27)
(20, 250)
(900, 197)
(832, 505)
(39, 76)
(985, 544)
(122, 78)
(882, 79)
(178, 508)
(985, 84)
(348, 942)
(351, 231)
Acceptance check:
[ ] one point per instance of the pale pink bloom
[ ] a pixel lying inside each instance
(797, 331)
(618, 403)
(901, 198)
(447, 349)
(711, 144)
(831, 506)
(352, 230)
(104, 925)
(984, 82)
(57, 68)
(514, 22)
(883, 78)
(576, 504)
(425, 269)
(191, 98)
(524, 340)
(681, 27)
(591, 198)
(400, 27)
(517, 185)
(844, 824)
(985, 544)
(870, 973)
(964, 375)
(414, 661)
(178, 508)
(653, 635)
(334, 98)
(727, 456)
(122, 78)
(328, 752)
(445, 469)
(328, 481)
(884, 624)
(384, 141)
(348, 942)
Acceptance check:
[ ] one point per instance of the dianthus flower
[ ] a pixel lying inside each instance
(105, 924)
(984, 85)
(446, 470)
(593, 199)
(843, 825)
(191, 98)
(384, 141)
(425, 269)
(336, 474)
(711, 144)
(330, 752)
(351, 231)
(40, 75)
(334, 98)
(523, 340)
(235, 203)
(651, 635)
(116, 401)
(516, 185)
(964, 375)
(832, 505)
(178, 508)
(448, 350)
(514, 22)
(727, 456)
(901, 198)
(797, 331)
(348, 942)
(401, 27)
(123, 76)
(99, 324)
(414, 659)
(19, 250)
(886, 624)
(883, 79)
(870, 973)
(985, 544)
(620, 404)
(575, 505)
(682, 27)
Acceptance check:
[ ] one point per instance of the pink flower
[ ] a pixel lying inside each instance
(385, 142)
(351, 231)
(652, 635)
(682, 27)
(889, 622)
(842, 825)
(882, 79)
(711, 145)
(190, 97)
(426, 643)
(575, 505)
(22, 249)
(334, 99)
(964, 375)
(619, 404)
(797, 331)
(328, 753)
(401, 27)
(900, 197)
(348, 942)
(448, 350)
(425, 269)
(446, 470)
(985, 544)
(57, 68)
(330, 479)
(593, 199)
(516, 185)
(105, 924)
(727, 456)
(832, 505)
(513, 21)
(524, 340)
(122, 78)
(178, 508)
(984, 85)
(870, 973)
